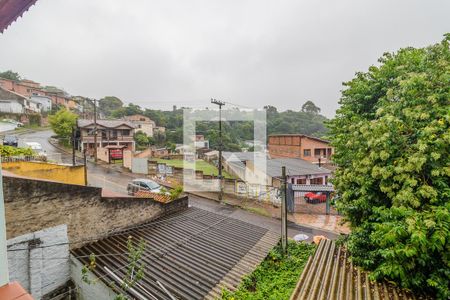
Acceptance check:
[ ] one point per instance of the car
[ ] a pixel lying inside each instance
(10, 140)
(143, 184)
(17, 123)
(315, 198)
(37, 148)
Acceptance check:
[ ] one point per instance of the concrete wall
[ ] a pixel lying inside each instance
(103, 154)
(139, 165)
(97, 291)
(33, 205)
(42, 170)
(127, 158)
(42, 268)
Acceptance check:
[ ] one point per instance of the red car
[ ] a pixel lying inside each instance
(314, 198)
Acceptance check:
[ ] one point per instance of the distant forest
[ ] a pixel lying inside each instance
(307, 120)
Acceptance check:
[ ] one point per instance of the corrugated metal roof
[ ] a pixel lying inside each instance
(312, 188)
(329, 274)
(294, 167)
(192, 253)
(10, 10)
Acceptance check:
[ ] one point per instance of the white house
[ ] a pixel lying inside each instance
(11, 102)
(45, 102)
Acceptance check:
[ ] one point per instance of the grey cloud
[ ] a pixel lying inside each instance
(160, 53)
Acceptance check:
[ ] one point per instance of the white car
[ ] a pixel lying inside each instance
(143, 184)
(37, 148)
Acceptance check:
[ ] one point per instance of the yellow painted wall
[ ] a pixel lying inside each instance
(48, 171)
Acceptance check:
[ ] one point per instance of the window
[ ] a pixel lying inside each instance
(126, 132)
(307, 152)
(316, 180)
(301, 181)
(292, 180)
(142, 119)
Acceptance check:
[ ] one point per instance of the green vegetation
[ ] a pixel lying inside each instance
(200, 165)
(275, 278)
(6, 151)
(10, 75)
(109, 104)
(62, 124)
(142, 140)
(307, 121)
(392, 141)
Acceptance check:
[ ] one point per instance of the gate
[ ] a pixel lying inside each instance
(312, 198)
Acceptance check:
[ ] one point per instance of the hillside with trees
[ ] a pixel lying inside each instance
(392, 151)
(307, 120)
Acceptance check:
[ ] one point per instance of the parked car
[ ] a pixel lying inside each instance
(17, 123)
(143, 184)
(10, 140)
(37, 148)
(315, 198)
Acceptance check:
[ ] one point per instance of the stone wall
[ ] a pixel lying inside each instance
(33, 205)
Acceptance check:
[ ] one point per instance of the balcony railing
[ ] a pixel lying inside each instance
(120, 138)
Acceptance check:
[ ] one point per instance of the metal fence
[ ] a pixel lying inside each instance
(312, 199)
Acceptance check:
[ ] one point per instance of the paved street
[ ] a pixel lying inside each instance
(116, 181)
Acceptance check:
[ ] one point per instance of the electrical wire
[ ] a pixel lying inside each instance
(169, 220)
(184, 242)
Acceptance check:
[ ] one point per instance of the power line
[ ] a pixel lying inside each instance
(186, 241)
(113, 234)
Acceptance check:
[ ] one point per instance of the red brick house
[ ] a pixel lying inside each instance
(300, 146)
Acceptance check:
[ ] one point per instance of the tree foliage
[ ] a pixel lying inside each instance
(391, 138)
(6, 151)
(109, 104)
(62, 123)
(310, 107)
(10, 75)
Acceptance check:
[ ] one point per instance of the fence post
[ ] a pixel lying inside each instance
(328, 204)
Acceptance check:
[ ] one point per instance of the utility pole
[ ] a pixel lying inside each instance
(284, 210)
(95, 130)
(220, 103)
(85, 166)
(73, 146)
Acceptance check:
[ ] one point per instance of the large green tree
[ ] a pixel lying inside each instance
(62, 123)
(109, 104)
(11, 75)
(391, 137)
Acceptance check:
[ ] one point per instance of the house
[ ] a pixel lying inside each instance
(12, 102)
(23, 87)
(142, 123)
(302, 146)
(45, 102)
(298, 171)
(109, 133)
(200, 142)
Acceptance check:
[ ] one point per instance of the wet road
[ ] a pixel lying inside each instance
(116, 181)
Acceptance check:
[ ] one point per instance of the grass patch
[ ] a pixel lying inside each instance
(258, 210)
(200, 165)
(275, 278)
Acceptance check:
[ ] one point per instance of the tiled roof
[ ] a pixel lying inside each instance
(105, 123)
(193, 253)
(13, 291)
(330, 274)
(10, 10)
(155, 196)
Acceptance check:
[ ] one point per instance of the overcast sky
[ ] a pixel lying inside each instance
(253, 53)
